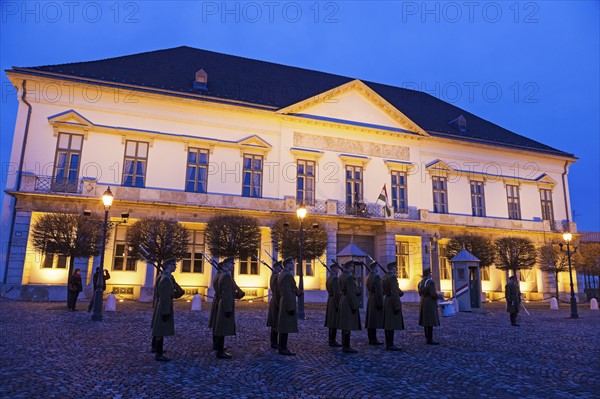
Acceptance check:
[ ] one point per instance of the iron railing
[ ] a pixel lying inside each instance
(50, 184)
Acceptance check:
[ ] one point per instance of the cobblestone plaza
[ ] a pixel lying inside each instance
(48, 352)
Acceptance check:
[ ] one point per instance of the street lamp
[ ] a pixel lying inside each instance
(568, 237)
(107, 200)
(301, 213)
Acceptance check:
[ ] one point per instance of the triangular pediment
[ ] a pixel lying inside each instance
(545, 179)
(70, 117)
(354, 103)
(254, 141)
(440, 165)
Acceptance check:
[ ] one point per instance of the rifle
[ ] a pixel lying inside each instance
(366, 266)
(324, 265)
(146, 256)
(335, 263)
(262, 261)
(378, 264)
(273, 260)
(211, 261)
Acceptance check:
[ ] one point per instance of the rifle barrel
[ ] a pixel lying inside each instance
(262, 261)
(211, 261)
(321, 262)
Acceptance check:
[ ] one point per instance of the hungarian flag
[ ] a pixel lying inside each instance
(383, 196)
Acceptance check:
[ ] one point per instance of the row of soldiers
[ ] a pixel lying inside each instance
(384, 307)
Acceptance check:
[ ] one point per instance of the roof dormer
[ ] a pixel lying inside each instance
(460, 123)
(201, 80)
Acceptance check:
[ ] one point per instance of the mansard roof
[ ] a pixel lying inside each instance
(267, 85)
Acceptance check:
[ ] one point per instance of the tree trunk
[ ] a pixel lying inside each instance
(71, 266)
(556, 285)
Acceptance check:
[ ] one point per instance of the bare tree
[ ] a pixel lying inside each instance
(67, 234)
(232, 235)
(479, 246)
(554, 261)
(587, 260)
(157, 240)
(314, 239)
(515, 253)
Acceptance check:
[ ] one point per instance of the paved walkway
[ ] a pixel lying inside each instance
(47, 352)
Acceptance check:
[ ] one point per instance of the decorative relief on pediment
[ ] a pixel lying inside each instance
(351, 146)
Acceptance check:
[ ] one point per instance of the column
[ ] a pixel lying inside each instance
(18, 249)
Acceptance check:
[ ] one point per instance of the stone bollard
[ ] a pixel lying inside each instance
(593, 304)
(196, 302)
(111, 303)
(553, 303)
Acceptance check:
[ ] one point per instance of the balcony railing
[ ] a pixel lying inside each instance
(88, 187)
(319, 206)
(49, 184)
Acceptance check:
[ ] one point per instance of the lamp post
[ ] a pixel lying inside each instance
(107, 199)
(568, 237)
(301, 213)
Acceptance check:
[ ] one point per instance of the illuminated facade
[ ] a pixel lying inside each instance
(186, 134)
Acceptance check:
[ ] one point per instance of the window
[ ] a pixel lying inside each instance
(440, 194)
(249, 264)
(354, 184)
(477, 198)
(55, 261)
(445, 270)
(134, 166)
(305, 182)
(525, 275)
(193, 261)
(66, 163)
(547, 210)
(514, 206)
(197, 170)
(399, 192)
(252, 181)
(309, 267)
(122, 261)
(402, 259)
(485, 273)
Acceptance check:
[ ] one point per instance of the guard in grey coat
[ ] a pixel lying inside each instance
(224, 323)
(273, 314)
(513, 299)
(374, 315)
(214, 305)
(428, 306)
(332, 313)
(349, 319)
(392, 308)
(163, 322)
(287, 321)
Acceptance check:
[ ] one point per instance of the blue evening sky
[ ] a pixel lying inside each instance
(531, 67)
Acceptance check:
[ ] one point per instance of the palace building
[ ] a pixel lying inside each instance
(186, 134)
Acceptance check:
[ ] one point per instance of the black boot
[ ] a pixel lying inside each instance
(389, 341)
(274, 344)
(221, 354)
(283, 349)
(346, 342)
(513, 320)
(372, 334)
(160, 356)
(332, 335)
(429, 336)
